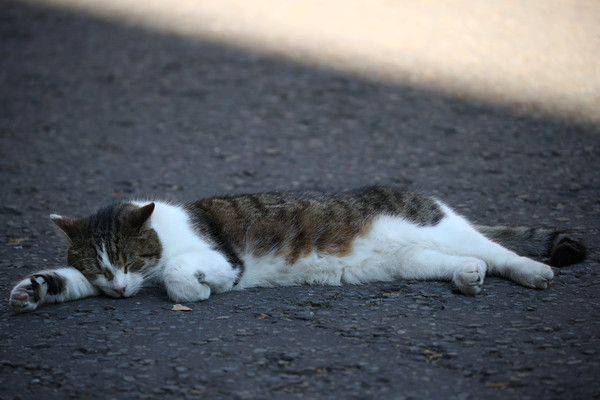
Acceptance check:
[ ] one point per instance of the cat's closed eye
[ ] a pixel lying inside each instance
(108, 274)
(149, 255)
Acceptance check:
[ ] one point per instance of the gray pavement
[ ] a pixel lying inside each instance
(93, 111)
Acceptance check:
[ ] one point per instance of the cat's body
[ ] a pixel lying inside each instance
(280, 239)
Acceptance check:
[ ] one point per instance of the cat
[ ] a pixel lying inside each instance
(290, 238)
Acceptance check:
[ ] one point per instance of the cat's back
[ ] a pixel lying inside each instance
(355, 204)
(296, 223)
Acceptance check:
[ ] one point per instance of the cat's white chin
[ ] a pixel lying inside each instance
(116, 295)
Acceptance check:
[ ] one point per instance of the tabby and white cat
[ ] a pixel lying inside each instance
(275, 239)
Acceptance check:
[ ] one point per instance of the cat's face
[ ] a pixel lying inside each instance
(113, 249)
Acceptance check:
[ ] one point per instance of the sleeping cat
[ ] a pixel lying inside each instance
(276, 239)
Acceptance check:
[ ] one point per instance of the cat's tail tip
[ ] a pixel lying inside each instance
(557, 247)
(566, 251)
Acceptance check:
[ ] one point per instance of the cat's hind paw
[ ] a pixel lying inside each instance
(532, 274)
(469, 277)
(28, 294)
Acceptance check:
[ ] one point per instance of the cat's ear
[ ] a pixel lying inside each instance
(139, 216)
(70, 227)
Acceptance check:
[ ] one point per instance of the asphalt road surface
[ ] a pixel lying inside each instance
(93, 111)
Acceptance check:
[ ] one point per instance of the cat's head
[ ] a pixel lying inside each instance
(115, 249)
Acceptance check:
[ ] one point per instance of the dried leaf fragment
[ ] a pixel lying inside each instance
(179, 307)
(498, 385)
(18, 241)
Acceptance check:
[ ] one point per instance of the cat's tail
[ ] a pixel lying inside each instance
(557, 246)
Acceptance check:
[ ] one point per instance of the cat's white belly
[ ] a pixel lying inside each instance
(377, 256)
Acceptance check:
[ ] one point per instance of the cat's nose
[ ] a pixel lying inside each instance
(120, 291)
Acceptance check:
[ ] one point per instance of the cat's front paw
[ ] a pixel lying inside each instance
(183, 286)
(194, 276)
(28, 294)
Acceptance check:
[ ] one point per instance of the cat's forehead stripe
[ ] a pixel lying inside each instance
(104, 256)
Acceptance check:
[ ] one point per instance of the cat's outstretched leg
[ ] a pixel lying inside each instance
(524, 271)
(459, 237)
(52, 286)
(194, 276)
(467, 273)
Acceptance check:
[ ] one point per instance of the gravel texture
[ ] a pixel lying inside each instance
(93, 111)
